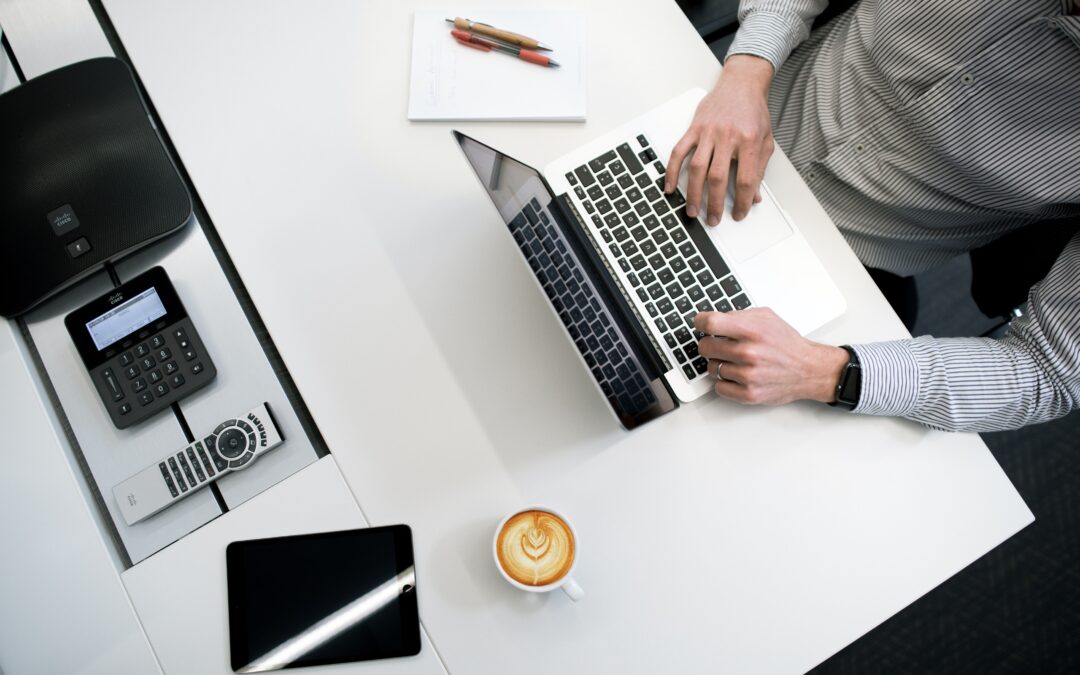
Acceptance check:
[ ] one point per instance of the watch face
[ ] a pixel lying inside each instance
(850, 385)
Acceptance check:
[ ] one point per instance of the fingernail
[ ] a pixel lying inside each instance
(667, 186)
(691, 210)
(713, 221)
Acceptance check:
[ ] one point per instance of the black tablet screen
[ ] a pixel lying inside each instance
(322, 598)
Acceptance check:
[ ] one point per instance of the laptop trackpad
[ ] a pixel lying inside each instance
(761, 229)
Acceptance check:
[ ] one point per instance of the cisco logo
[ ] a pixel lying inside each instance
(115, 298)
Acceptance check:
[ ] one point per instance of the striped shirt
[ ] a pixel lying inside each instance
(927, 129)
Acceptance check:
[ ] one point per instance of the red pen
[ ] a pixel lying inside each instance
(469, 40)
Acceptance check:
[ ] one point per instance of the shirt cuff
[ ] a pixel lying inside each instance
(770, 36)
(890, 378)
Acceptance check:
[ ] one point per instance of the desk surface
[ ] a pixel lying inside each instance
(719, 538)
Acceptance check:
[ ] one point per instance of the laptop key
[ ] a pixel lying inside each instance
(642, 208)
(647, 276)
(622, 206)
(675, 199)
(642, 140)
(571, 178)
(613, 192)
(659, 166)
(595, 192)
(683, 336)
(625, 265)
(673, 289)
(668, 250)
(670, 221)
(603, 206)
(617, 167)
(584, 175)
(639, 233)
(647, 247)
(664, 305)
(629, 158)
(626, 181)
(695, 293)
(633, 194)
(670, 340)
(683, 305)
(701, 365)
(633, 279)
(740, 302)
(651, 309)
(688, 370)
(687, 249)
(637, 262)
(714, 293)
(629, 248)
(652, 194)
(643, 180)
(598, 164)
(686, 279)
(580, 193)
(657, 262)
(631, 219)
(589, 207)
(678, 265)
(641, 295)
(705, 278)
(604, 178)
(731, 286)
(611, 219)
(704, 306)
(673, 320)
(652, 222)
(621, 234)
(656, 291)
(723, 306)
(665, 276)
(697, 264)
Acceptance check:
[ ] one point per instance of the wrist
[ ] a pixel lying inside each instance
(747, 71)
(828, 366)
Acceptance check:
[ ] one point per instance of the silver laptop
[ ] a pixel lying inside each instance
(626, 270)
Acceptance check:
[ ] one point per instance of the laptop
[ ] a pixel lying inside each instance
(626, 270)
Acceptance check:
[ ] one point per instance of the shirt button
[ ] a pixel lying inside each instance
(811, 175)
(860, 148)
(966, 78)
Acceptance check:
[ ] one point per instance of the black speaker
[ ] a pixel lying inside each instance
(84, 180)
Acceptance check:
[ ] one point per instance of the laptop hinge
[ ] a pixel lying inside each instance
(649, 351)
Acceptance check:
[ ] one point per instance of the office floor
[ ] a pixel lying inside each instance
(1016, 609)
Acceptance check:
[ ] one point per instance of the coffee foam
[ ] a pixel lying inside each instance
(535, 548)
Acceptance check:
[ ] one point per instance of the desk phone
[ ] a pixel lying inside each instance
(141, 349)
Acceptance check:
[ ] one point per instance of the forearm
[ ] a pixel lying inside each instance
(771, 29)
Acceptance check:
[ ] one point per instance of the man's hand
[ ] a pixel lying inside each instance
(731, 123)
(762, 359)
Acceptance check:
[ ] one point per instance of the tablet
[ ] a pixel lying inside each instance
(322, 598)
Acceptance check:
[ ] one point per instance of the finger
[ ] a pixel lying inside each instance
(682, 149)
(731, 390)
(757, 195)
(727, 371)
(718, 180)
(728, 324)
(699, 169)
(747, 182)
(717, 348)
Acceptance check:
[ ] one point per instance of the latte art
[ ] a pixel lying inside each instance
(535, 548)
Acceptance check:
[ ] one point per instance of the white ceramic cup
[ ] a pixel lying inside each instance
(567, 583)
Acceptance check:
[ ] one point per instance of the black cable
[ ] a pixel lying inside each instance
(113, 276)
(11, 57)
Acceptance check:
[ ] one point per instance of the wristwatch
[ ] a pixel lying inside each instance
(850, 385)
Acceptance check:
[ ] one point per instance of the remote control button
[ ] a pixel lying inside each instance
(147, 363)
(112, 385)
(155, 376)
(242, 460)
(179, 334)
(187, 469)
(163, 354)
(232, 443)
(132, 372)
(189, 354)
(157, 342)
(141, 350)
(171, 367)
(195, 463)
(205, 460)
(245, 427)
(161, 389)
(211, 443)
(146, 398)
(126, 359)
(252, 443)
(78, 247)
(197, 368)
(125, 408)
(168, 480)
(139, 385)
(177, 380)
(176, 474)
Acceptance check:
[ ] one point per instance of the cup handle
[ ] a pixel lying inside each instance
(573, 590)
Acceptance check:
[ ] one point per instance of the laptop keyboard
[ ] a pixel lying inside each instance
(666, 258)
(615, 368)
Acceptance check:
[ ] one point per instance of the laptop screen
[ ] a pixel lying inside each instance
(594, 321)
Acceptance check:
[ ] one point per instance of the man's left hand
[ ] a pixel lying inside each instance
(763, 360)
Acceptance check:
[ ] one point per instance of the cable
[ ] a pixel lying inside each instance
(11, 57)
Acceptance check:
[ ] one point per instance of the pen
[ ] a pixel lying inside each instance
(505, 36)
(470, 40)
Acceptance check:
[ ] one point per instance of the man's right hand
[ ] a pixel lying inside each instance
(731, 124)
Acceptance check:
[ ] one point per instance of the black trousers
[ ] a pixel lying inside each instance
(901, 294)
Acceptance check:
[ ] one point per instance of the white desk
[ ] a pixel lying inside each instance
(718, 539)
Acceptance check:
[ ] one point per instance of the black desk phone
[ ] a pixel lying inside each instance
(141, 349)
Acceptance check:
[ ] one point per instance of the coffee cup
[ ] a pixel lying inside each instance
(536, 549)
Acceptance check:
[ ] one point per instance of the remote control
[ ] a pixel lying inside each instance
(230, 447)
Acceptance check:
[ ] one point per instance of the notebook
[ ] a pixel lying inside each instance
(452, 82)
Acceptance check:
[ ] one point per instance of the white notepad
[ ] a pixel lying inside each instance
(453, 82)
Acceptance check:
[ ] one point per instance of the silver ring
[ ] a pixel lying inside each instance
(719, 365)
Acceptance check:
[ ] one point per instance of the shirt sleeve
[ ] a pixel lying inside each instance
(1030, 375)
(772, 28)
